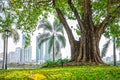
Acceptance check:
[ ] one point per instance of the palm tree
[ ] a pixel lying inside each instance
(118, 47)
(6, 20)
(53, 34)
(114, 50)
(105, 48)
(13, 34)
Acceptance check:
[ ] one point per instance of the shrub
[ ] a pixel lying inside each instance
(58, 62)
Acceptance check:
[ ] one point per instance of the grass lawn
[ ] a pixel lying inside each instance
(66, 73)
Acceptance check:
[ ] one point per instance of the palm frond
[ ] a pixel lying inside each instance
(62, 40)
(57, 46)
(40, 42)
(15, 35)
(50, 46)
(105, 48)
(58, 27)
(45, 25)
(3, 35)
(43, 36)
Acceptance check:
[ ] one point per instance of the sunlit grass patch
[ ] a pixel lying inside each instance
(65, 73)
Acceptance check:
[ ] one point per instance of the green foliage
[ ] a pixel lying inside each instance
(118, 42)
(62, 61)
(49, 63)
(7, 20)
(113, 30)
(6, 17)
(58, 62)
(99, 10)
(27, 40)
(29, 12)
(78, 31)
(65, 73)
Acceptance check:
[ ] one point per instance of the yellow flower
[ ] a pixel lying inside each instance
(37, 76)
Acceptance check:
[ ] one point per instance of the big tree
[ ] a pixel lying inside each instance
(93, 17)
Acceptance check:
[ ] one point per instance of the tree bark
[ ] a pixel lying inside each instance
(4, 56)
(53, 48)
(75, 50)
(89, 48)
(114, 51)
(72, 41)
(90, 37)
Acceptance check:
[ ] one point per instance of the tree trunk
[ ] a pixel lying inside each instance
(119, 56)
(4, 56)
(89, 48)
(53, 48)
(114, 52)
(75, 51)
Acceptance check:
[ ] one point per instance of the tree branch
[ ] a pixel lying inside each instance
(65, 24)
(76, 14)
(88, 14)
(109, 18)
(114, 2)
(45, 3)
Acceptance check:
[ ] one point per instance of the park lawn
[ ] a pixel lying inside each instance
(65, 73)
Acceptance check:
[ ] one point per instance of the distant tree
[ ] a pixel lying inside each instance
(53, 34)
(119, 51)
(7, 20)
(112, 33)
(105, 49)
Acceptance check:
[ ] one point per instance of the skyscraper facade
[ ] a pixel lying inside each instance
(15, 57)
(1, 55)
(42, 53)
(26, 56)
(18, 51)
(48, 56)
(39, 51)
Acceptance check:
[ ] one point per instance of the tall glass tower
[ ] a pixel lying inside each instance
(26, 52)
(39, 51)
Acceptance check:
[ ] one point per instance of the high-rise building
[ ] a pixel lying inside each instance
(48, 56)
(39, 51)
(13, 57)
(1, 55)
(26, 51)
(42, 53)
(18, 52)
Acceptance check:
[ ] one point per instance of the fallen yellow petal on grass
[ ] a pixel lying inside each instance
(37, 76)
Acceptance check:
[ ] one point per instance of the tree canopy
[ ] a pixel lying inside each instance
(30, 11)
(94, 17)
